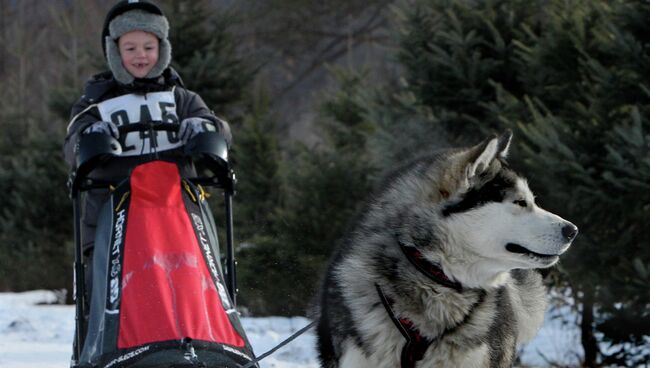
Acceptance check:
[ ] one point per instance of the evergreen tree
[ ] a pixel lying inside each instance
(571, 79)
(256, 159)
(320, 191)
(205, 54)
(587, 139)
(35, 222)
(258, 192)
(453, 52)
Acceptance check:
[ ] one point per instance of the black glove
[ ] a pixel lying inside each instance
(105, 127)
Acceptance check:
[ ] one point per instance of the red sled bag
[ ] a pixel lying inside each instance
(159, 298)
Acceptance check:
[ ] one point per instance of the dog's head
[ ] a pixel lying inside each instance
(489, 211)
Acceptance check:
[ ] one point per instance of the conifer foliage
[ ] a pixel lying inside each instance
(309, 196)
(570, 78)
(586, 137)
(35, 219)
(205, 54)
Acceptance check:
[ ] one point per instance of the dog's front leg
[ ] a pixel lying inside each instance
(354, 357)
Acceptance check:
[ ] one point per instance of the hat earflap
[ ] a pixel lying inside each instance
(114, 61)
(164, 58)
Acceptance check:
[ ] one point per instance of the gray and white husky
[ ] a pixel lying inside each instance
(439, 269)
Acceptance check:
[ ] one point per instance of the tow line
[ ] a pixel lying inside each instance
(283, 343)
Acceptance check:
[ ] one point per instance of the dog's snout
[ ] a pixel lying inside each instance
(569, 231)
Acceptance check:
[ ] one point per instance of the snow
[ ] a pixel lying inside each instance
(37, 335)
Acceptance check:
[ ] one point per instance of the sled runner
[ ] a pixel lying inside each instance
(159, 297)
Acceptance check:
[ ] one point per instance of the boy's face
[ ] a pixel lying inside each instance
(139, 52)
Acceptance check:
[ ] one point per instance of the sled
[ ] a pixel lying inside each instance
(159, 297)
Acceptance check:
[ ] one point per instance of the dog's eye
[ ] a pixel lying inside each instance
(520, 202)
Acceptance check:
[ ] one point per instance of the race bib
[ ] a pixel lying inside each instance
(132, 108)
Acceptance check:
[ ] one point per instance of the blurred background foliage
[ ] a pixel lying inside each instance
(325, 97)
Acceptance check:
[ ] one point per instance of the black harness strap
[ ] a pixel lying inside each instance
(416, 345)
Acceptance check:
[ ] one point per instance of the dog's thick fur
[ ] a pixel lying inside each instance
(471, 215)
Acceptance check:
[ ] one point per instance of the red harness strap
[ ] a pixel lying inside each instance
(416, 345)
(429, 269)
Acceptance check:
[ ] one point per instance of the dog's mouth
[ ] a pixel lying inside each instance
(516, 248)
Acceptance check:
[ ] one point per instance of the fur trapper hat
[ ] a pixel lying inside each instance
(128, 16)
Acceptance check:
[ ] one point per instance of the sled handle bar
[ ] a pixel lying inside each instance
(143, 127)
(210, 148)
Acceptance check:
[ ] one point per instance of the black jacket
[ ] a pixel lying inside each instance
(102, 87)
(105, 99)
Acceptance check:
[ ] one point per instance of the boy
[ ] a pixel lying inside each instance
(140, 86)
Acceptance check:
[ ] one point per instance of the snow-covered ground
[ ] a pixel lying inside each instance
(40, 336)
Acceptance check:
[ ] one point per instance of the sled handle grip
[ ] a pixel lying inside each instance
(151, 125)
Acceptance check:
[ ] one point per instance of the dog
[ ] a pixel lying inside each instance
(441, 269)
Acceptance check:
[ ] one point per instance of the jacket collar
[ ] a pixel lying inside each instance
(103, 83)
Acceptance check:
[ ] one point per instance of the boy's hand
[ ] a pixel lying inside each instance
(192, 126)
(105, 127)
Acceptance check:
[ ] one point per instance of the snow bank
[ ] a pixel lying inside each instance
(40, 336)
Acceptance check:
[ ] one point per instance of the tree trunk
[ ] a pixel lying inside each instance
(589, 343)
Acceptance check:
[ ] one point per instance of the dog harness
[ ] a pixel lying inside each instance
(416, 344)
(431, 270)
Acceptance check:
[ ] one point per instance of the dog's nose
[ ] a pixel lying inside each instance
(569, 231)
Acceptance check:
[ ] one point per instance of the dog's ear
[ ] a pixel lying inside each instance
(466, 165)
(480, 157)
(504, 143)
